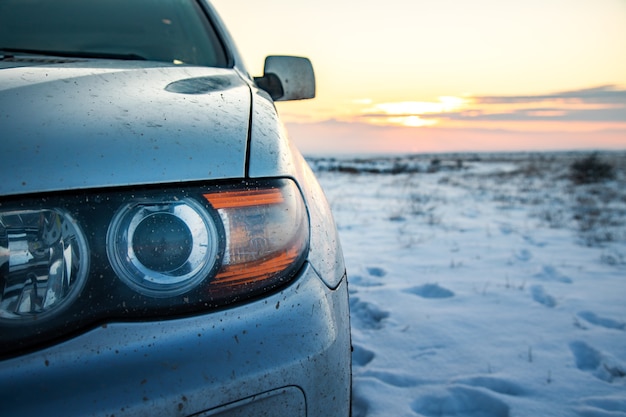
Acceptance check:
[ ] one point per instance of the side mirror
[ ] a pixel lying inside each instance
(287, 78)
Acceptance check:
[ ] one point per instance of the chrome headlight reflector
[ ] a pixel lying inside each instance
(44, 260)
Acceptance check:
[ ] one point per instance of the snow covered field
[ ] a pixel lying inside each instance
(483, 285)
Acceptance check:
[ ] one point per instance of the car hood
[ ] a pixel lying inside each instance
(109, 123)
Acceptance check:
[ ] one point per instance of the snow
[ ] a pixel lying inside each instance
(483, 285)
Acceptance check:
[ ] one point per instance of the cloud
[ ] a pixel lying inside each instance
(603, 104)
(608, 115)
(606, 94)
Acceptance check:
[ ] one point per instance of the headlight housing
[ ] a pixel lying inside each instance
(68, 263)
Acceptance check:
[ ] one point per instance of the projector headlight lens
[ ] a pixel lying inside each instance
(162, 249)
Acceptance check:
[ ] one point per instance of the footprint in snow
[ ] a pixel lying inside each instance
(376, 271)
(360, 281)
(361, 356)
(430, 291)
(366, 315)
(542, 297)
(587, 358)
(550, 273)
(523, 255)
(602, 321)
(600, 365)
(506, 229)
(460, 401)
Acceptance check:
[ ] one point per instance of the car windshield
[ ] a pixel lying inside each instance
(176, 31)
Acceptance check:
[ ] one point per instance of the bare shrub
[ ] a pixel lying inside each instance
(591, 170)
(599, 216)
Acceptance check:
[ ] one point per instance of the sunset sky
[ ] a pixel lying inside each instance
(446, 75)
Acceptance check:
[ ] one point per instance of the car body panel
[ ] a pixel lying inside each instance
(293, 338)
(288, 401)
(104, 124)
(272, 153)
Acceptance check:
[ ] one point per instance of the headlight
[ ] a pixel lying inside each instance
(43, 262)
(138, 254)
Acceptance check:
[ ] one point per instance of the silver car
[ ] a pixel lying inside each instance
(164, 248)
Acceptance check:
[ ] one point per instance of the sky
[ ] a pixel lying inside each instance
(422, 76)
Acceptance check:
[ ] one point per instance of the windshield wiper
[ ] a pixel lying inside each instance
(5, 52)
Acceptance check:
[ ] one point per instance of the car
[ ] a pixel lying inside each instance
(165, 250)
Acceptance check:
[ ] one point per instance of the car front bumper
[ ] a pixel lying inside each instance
(285, 354)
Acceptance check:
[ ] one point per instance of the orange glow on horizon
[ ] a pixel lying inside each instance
(541, 113)
(410, 113)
